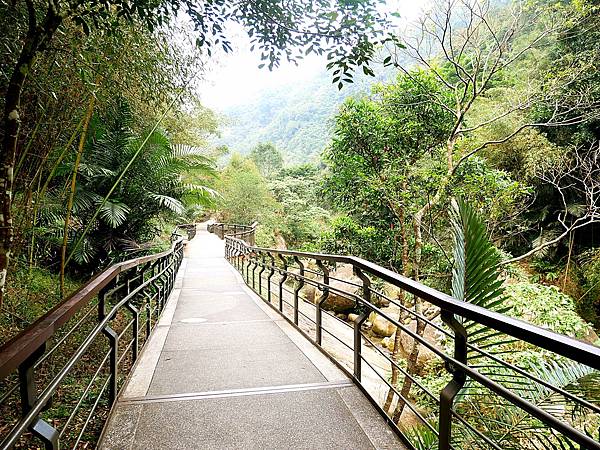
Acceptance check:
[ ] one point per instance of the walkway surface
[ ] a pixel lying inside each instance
(222, 370)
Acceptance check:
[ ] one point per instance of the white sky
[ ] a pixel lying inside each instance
(235, 79)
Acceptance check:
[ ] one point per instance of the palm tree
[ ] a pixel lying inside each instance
(156, 185)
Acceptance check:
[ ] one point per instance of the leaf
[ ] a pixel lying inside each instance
(169, 202)
(475, 276)
(114, 213)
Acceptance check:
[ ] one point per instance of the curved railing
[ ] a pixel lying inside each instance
(485, 396)
(189, 228)
(60, 376)
(246, 233)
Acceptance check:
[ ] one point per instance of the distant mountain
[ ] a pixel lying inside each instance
(297, 118)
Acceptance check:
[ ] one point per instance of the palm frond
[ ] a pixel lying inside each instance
(475, 275)
(114, 213)
(169, 202)
(192, 188)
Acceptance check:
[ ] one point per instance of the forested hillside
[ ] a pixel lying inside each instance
(297, 117)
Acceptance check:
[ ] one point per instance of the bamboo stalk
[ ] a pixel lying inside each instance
(63, 250)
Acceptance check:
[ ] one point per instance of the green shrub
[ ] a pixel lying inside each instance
(546, 307)
(588, 305)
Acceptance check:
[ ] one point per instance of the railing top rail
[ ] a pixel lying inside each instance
(560, 344)
(19, 348)
(253, 225)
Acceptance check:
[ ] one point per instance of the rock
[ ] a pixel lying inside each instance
(338, 303)
(367, 325)
(342, 279)
(352, 317)
(591, 337)
(382, 327)
(342, 316)
(431, 335)
(335, 302)
(280, 242)
(388, 342)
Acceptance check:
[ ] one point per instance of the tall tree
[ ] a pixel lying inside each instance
(267, 158)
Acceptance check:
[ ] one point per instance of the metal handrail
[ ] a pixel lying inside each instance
(138, 287)
(248, 258)
(246, 233)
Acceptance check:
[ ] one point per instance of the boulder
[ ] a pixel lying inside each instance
(342, 279)
(431, 335)
(280, 242)
(382, 327)
(336, 303)
(388, 342)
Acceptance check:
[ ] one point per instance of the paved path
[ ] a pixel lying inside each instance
(224, 371)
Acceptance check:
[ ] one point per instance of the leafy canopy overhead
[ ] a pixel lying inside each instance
(346, 31)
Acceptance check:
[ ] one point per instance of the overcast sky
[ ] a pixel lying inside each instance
(235, 78)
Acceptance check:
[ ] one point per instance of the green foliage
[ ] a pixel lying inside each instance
(267, 159)
(387, 161)
(347, 237)
(245, 196)
(151, 188)
(32, 292)
(491, 190)
(588, 305)
(303, 216)
(375, 161)
(475, 276)
(547, 307)
(476, 279)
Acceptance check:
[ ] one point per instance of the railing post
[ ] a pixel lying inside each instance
(362, 317)
(320, 301)
(248, 262)
(449, 392)
(255, 261)
(113, 342)
(136, 320)
(299, 286)
(44, 431)
(154, 285)
(260, 273)
(284, 274)
(148, 308)
(252, 235)
(162, 286)
(271, 273)
(102, 302)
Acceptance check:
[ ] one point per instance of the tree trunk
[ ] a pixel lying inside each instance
(411, 367)
(402, 298)
(63, 250)
(35, 41)
(399, 212)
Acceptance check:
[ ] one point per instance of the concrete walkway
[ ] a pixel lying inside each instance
(223, 371)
